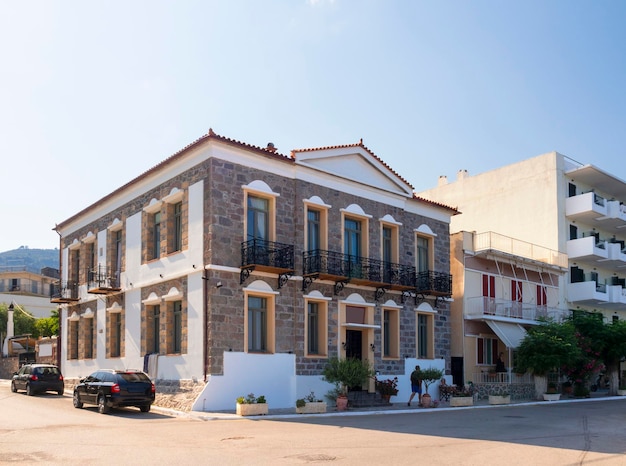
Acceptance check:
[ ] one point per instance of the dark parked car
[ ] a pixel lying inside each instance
(38, 378)
(114, 389)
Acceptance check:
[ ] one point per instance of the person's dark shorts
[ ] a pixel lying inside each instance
(416, 389)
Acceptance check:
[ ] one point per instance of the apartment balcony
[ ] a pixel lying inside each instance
(63, 292)
(267, 256)
(617, 296)
(497, 244)
(593, 209)
(343, 268)
(102, 280)
(482, 307)
(588, 292)
(588, 249)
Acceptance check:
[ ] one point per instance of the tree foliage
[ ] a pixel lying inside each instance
(23, 322)
(547, 347)
(347, 372)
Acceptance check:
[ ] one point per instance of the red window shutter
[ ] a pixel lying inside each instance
(485, 285)
(480, 358)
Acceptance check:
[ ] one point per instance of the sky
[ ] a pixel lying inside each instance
(94, 93)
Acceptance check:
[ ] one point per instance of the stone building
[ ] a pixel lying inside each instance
(230, 269)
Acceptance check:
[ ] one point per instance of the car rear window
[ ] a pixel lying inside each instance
(46, 371)
(133, 377)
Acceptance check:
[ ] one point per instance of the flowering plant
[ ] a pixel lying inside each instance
(251, 399)
(586, 365)
(387, 386)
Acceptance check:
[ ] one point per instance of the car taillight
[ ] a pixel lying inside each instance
(153, 389)
(60, 377)
(33, 377)
(115, 388)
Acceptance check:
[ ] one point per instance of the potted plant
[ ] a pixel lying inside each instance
(499, 398)
(387, 388)
(345, 374)
(463, 397)
(552, 394)
(310, 404)
(429, 376)
(251, 405)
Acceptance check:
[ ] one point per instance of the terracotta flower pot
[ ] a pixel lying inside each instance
(342, 403)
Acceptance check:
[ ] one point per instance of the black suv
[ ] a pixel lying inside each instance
(114, 389)
(37, 378)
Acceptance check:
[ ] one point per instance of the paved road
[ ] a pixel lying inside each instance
(48, 430)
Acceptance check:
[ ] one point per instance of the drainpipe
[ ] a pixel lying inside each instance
(59, 336)
(205, 309)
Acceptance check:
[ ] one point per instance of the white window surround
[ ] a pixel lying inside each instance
(316, 296)
(259, 187)
(74, 317)
(356, 299)
(153, 207)
(425, 230)
(90, 238)
(152, 300)
(260, 287)
(115, 308)
(88, 314)
(175, 195)
(173, 295)
(391, 304)
(116, 225)
(316, 201)
(388, 219)
(356, 211)
(424, 308)
(75, 245)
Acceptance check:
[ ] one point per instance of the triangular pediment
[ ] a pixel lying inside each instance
(354, 163)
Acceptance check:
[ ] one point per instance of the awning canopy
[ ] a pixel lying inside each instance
(510, 334)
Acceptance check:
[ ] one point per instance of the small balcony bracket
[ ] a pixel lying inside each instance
(408, 294)
(339, 286)
(306, 281)
(380, 292)
(244, 274)
(283, 278)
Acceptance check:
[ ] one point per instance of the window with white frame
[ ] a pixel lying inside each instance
(486, 351)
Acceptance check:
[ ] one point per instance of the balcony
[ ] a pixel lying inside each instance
(495, 243)
(589, 249)
(267, 256)
(431, 283)
(102, 280)
(63, 292)
(482, 307)
(588, 292)
(593, 209)
(343, 268)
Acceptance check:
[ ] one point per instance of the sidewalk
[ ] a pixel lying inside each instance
(394, 408)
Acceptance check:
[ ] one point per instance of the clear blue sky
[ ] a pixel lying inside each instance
(93, 93)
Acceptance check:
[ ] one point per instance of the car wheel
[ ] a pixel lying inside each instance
(60, 393)
(76, 400)
(13, 387)
(103, 408)
(29, 390)
(144, 408)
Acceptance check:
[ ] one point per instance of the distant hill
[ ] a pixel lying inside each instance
(32, 260)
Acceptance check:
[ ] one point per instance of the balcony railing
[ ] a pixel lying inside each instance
(339, 267)
(490, 241)
(434, 283)
(267, 256)
(102, 280)
(485, 307)
(63, 292)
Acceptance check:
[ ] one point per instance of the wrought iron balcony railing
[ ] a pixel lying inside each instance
(343, 268)
(267, 256)
(102, 280)
(434, 283)
(63, 292)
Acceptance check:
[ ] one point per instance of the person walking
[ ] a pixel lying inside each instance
(416, 385)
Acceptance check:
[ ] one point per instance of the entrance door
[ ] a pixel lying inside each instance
(354, 340)
(456, 368)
